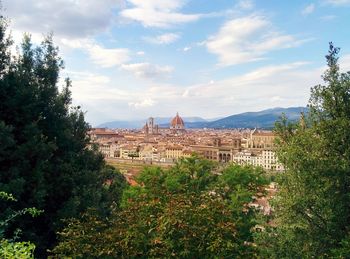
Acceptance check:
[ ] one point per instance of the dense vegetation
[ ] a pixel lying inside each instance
(12, 248)
(312, 212)
(187, 211)
(44, 159)
(197, 208)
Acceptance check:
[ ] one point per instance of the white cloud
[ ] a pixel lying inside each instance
(245, 4)
(187, 48)
(71, 21)
(66, 18)
(108, 57)
(140, 53)
(88, 87)
(167, 5)
(308, 9)
(338, 2)
(88, 79)
(276, 99)
(74, 43)
(158, 13)
(344, 62)
(147, 70)
(262, 88)
(163, 39)
(142, 104)
(104, 57)
(255, 90)
(328, 17)
(248, 39)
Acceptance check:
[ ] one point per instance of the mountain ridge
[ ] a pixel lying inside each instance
(260, 119)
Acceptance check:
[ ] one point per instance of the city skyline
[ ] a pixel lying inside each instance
(132, 59)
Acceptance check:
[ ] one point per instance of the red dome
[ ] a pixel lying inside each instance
(177, 122)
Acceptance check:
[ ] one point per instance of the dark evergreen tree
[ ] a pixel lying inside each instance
(45, 161)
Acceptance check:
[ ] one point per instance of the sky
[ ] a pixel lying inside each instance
(132, 59)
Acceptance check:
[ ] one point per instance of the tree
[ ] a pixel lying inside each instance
(44, 159)
(312, 213)
(190, 210)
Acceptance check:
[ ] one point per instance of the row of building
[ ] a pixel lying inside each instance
(155, 144)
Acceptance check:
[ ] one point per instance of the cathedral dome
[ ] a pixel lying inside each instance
(177, 122)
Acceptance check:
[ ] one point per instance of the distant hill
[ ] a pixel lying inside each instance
(262, 119)
(137, 124)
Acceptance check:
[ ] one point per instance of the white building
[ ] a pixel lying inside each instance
(129, 152)
(108, 149)
(266, 159)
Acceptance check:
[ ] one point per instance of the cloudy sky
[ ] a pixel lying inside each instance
(131, 59)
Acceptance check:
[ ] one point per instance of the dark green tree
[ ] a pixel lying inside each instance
(45, 161)
(312, 212)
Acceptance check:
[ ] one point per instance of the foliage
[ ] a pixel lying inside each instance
(191, 210)
(11, 248)
(312, 213)
(44, 159)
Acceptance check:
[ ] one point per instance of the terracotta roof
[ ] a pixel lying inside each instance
(177, 121)
(104, 133)
(263, 133)
(174, 147)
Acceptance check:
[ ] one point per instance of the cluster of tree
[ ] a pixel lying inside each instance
(45, 161)
(192, 210)
(312, 208)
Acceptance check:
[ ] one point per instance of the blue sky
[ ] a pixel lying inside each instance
(131, 59)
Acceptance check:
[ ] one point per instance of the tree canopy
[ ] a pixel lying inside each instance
(191, 210)
(45, 161)
(312, 213)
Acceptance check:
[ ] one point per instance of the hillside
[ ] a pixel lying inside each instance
(260, 119)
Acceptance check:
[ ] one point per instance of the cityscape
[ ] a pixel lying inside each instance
(174, 129)
(156, 145)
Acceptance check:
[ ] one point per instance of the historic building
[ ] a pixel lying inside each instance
(150, 127)
(260, 140)
(149, 152)
(219, 151)
(168, 144)
(265, 158)
(108, 149)
(175, 152)
(103, 134)
(177, 125)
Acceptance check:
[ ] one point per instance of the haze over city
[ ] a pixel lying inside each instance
(131, 59)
